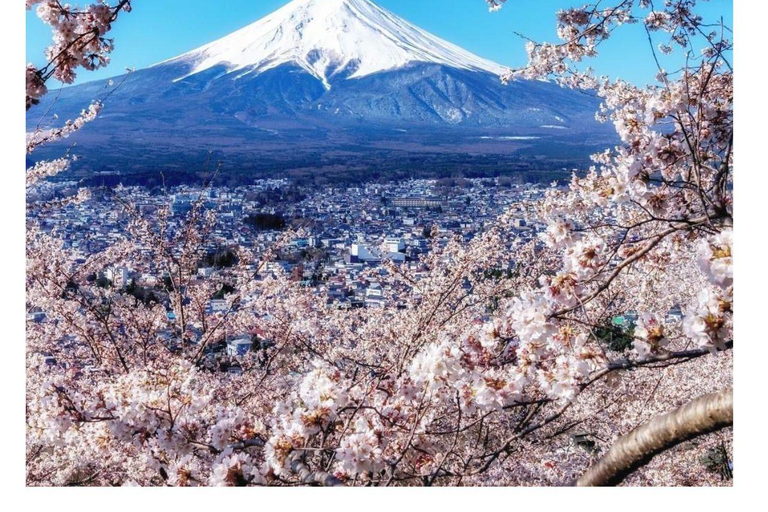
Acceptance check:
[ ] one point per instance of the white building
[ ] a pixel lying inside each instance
(239, 345)
(218, 305)
(360, 252)
(395, 244)
(119, 276)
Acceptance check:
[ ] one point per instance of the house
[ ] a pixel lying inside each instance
(239, 346)
(119, 276)
(675, 315)
(395, 244)
(218, 305)
(36, 316)
(359, 252)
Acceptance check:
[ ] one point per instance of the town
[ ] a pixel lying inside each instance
(343, 233)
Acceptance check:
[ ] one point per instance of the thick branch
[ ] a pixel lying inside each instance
(308, 477)
(706, 414)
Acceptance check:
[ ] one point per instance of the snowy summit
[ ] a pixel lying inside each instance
(331, 38)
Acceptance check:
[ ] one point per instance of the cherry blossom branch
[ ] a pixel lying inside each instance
(706, 414)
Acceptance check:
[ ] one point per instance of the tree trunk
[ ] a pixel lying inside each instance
(706, 414)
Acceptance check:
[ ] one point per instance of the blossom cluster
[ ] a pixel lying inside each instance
(78, 41)
(39, 136)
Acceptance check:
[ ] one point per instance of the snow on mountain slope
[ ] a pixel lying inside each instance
(278, 95)
(331, 38)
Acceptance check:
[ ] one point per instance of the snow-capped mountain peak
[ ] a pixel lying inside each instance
(331, 38)
(329, 85)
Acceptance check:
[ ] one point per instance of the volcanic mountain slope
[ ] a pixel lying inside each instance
(318, 78)
(331, 39)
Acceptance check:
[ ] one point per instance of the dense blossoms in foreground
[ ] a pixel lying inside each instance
(476, 378)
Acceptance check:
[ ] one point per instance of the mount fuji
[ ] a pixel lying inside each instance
(331, 39)
(326, 86)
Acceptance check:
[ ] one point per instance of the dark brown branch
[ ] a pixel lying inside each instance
(308, 477)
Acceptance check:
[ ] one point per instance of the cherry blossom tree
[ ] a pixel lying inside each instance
(664, 195)
(78, 42)
(468, 376)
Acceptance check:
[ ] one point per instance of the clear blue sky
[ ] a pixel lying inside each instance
(160, 29)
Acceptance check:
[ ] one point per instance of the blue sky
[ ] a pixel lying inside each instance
(157, 30)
